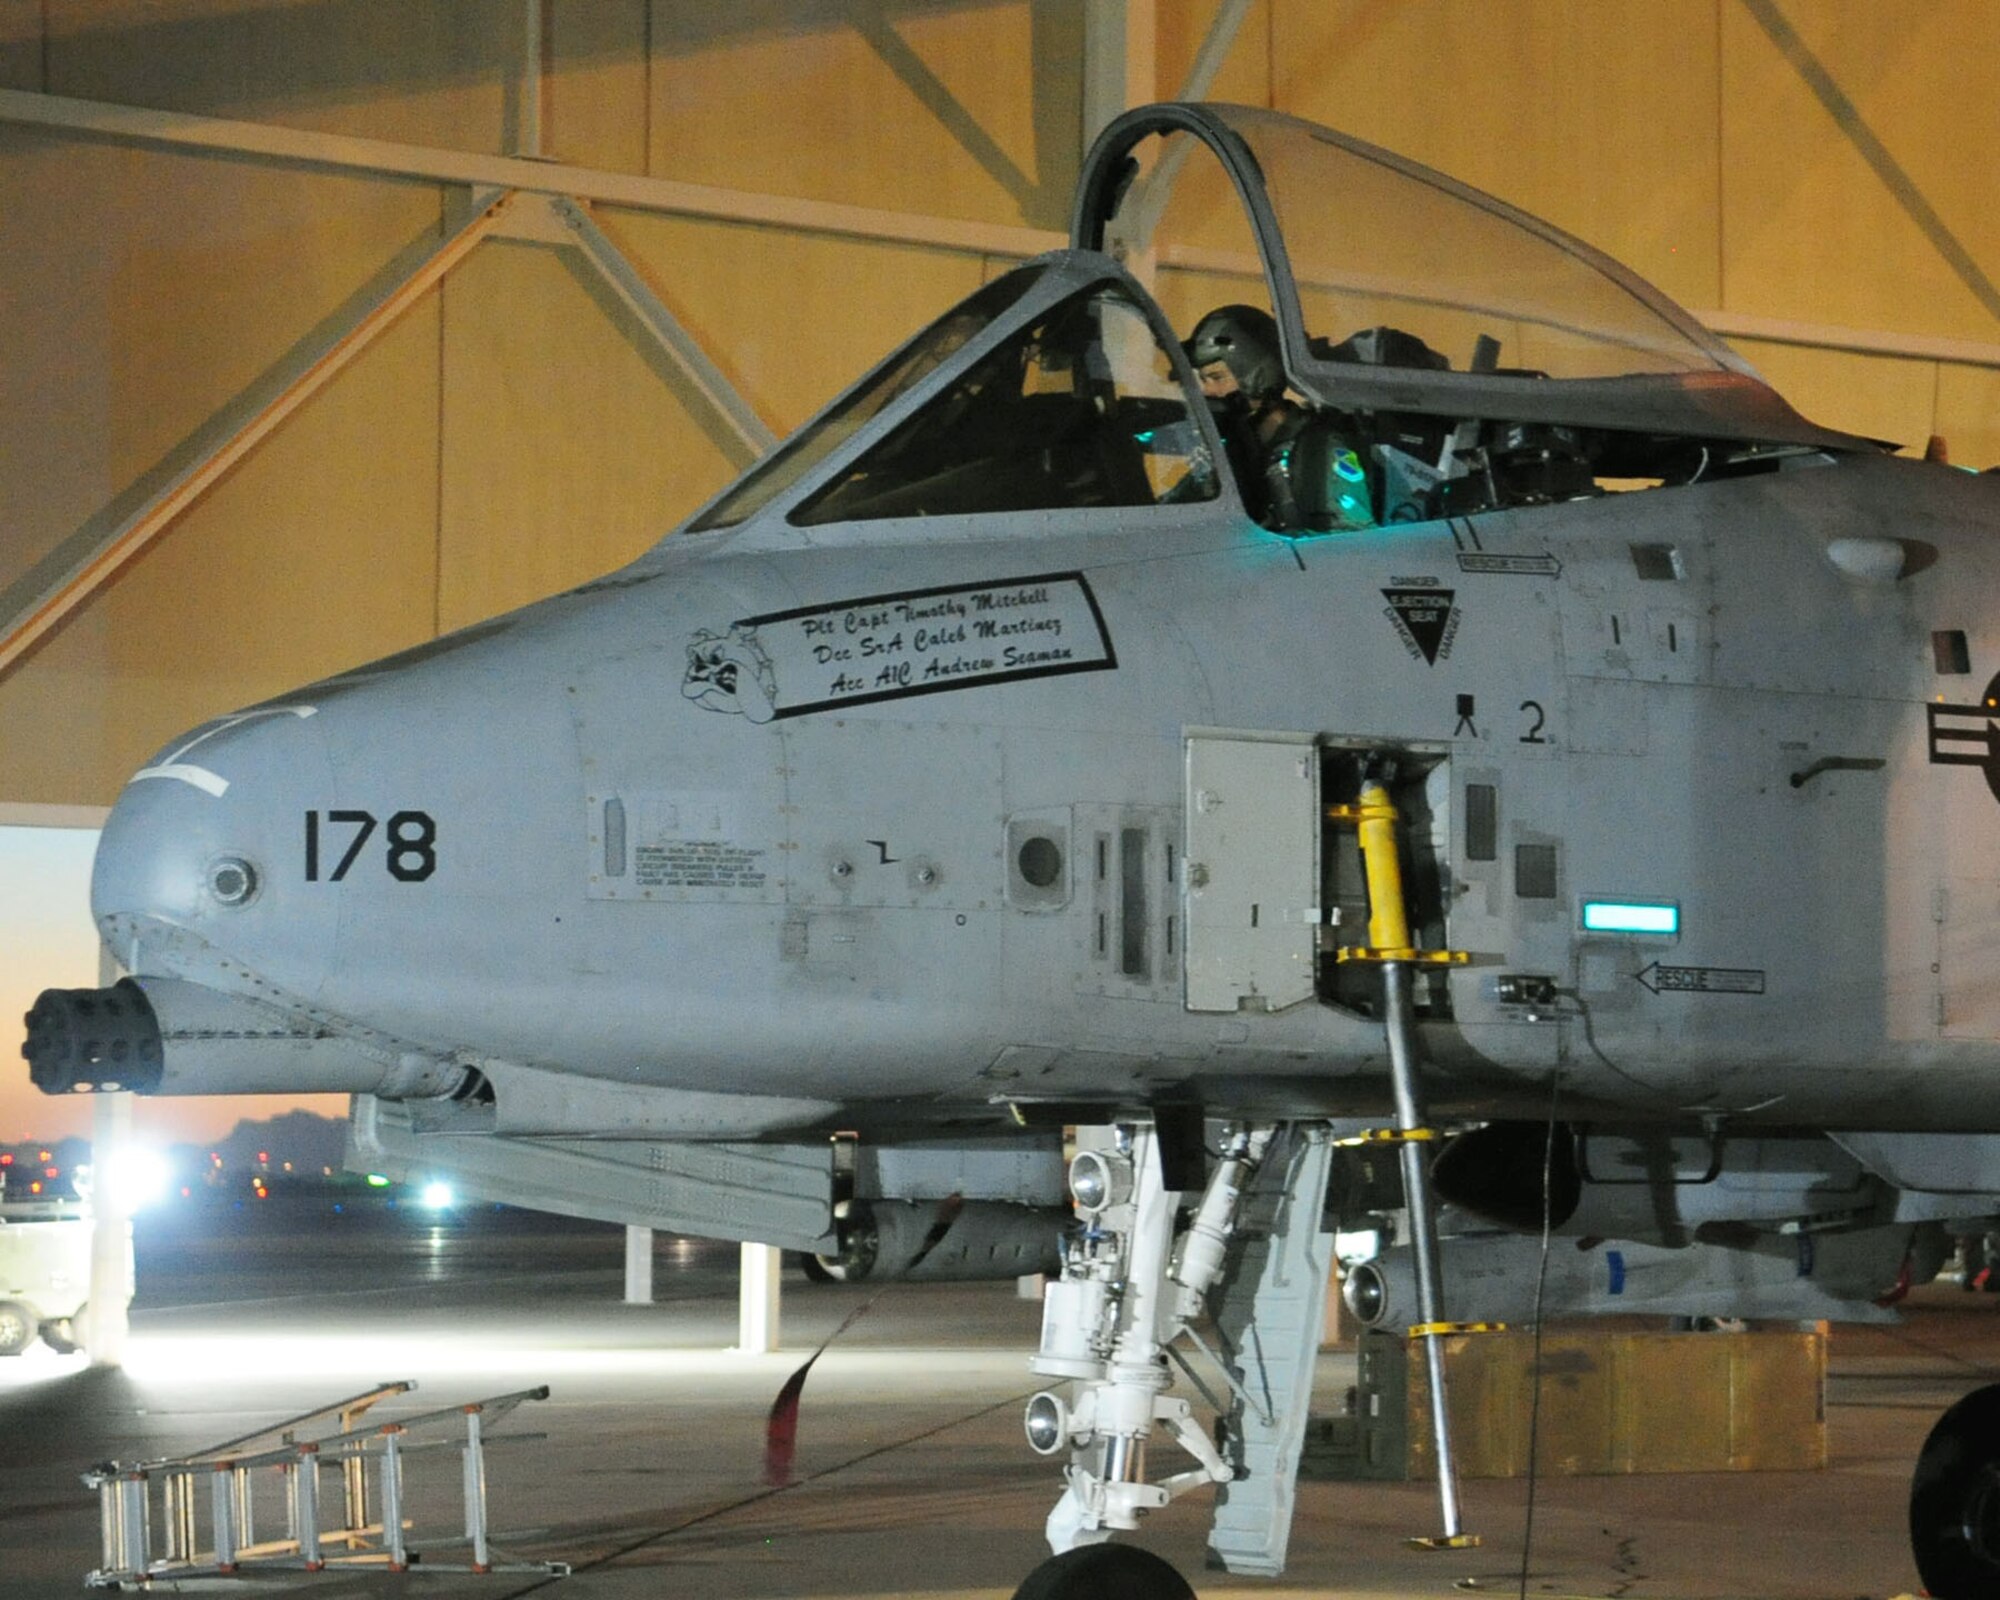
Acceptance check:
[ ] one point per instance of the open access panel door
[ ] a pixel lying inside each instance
(1252, 870)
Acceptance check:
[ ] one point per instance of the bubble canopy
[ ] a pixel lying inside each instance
(1396, 287)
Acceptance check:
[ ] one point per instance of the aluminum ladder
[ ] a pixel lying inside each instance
(295, 1452)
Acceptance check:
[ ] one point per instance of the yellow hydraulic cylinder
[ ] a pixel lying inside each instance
(1388, 922)
(1375, 822)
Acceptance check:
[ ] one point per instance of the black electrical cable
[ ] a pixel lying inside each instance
(1541, 1287)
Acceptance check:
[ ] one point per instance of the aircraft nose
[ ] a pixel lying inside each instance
(153, 857)
(192, 868)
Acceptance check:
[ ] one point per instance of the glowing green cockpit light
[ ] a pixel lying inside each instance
(1657, 917)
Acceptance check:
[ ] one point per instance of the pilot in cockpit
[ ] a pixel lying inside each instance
(1299, 473)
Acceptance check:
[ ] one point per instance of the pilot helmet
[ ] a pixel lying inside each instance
(1245, 340)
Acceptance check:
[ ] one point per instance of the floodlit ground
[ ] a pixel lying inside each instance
(912, 1475)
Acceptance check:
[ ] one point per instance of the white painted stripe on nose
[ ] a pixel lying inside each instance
(202, 779)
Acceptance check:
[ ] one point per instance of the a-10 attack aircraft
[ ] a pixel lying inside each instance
(1531, 730)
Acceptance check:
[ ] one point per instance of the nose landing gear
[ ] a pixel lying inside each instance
(1123, 1298)
(1244, 1283)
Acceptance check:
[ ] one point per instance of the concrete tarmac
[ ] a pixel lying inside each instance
(911, 1478)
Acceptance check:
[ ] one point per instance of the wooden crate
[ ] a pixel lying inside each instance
(1611, 1402)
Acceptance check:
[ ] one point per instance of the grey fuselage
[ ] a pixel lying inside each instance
(1675, 696)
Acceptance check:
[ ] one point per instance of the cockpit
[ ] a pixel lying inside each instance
(1052, 388)
(1438, 352)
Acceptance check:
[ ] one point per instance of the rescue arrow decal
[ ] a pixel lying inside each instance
(1701, 980)
(1492, 562)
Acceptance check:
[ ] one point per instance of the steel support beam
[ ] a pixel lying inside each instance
(530, 140)
(1222, 31)
(1860, 341)
(82, 563)
(624, 280)
(176, 130)
(1120, 61)
(27, 814)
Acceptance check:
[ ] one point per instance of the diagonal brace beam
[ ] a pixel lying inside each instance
(1905, 190)
(1222, 31)
(54, 587)
(682, 348)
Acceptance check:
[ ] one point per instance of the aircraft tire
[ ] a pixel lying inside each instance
(814, 1268)
(61, 1336)
(1104, 1572)
(1955, 1501)
(17, 1327)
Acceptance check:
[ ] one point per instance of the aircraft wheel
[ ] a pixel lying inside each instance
(17, 1327)
(61, 1335)
(1955, 1501)
(814, 1268)
(1104, 1572)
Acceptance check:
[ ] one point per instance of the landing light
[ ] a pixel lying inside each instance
(1047, 1424)
(1364, 1244)
(1657, 917)
(1099, 1181)
(437, 1197)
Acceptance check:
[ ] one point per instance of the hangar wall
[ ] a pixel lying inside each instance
(1804, 177)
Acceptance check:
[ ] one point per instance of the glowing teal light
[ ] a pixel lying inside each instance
(1631, 916)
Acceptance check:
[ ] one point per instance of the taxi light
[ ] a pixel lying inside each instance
(438, 1197)
(1363, 1244)
(1046, 1424)
(1098, 1181)
(1657, 917)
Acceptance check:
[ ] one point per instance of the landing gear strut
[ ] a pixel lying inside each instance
(1124, 1296)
